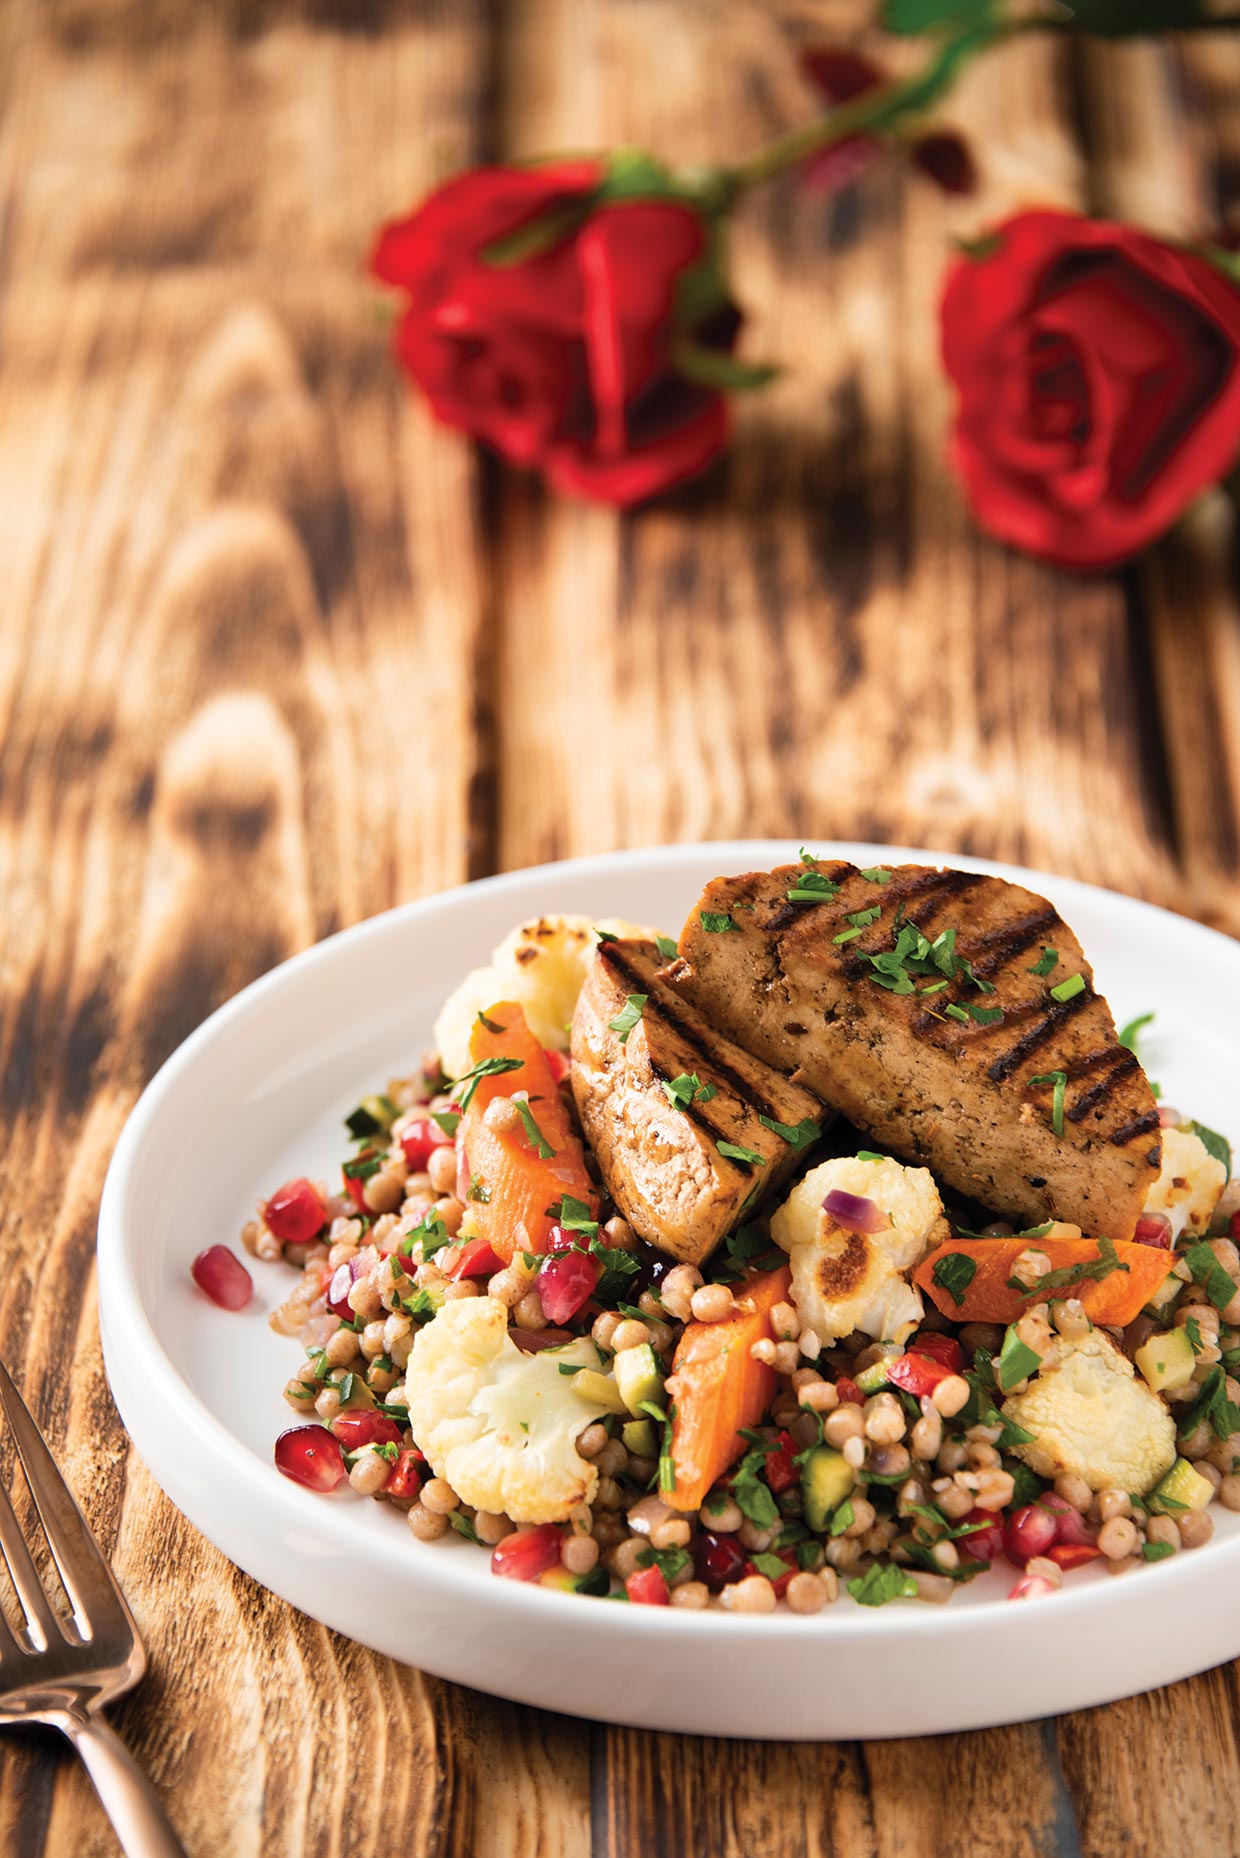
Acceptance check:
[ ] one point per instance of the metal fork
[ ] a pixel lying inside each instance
(61, 1672)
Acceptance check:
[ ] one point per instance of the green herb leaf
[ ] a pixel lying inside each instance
(843, 1516)
(681, 1091)
(362, 1168)
(808, 858)
(1213, 1405)
(464, 1525)
(985, 1015)
(1218, 1285)
(431, 1232)
(1069, 989)
(1059, 1079)
(569, 1367)
(954, 1273)
(1128, 1034)
(1214, 1144)
(624, 1022)
(736, 1151)
(881, 1584)
(533, 1134)
(575, 1216)
(666, 947)
(813, 888)
(877, 874)
(1046, 963)
(1016, 1361)
(868, 1154)
(1090, 1270)
(799, 1135)
(754, 1496)
(490, 1025)
(476, 1191)
(489, 1067)
(716, 922)
(449, 1120)
(1156, 1551)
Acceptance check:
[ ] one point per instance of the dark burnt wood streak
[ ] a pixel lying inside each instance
(276, 652)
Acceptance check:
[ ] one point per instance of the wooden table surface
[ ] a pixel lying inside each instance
(276, 653)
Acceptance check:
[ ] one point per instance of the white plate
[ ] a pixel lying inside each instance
(257, 1094)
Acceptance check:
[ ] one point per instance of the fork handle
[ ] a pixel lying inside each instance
(125, 1794)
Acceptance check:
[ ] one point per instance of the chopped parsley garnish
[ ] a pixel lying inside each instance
(881, 1584)
(1129, 1033)
(464, 1525)
(476, 1191)
(983, 1015)
(373, 1116)
(877, 874)
(842, 1517)
(861, 919)
(449, 1120)
(489, 1067)
(808, 859)
(666, 947)
(1016, 1361)
(672, 1561)
(1030, 1232)
(1060, 1081)
(1192, 1329)
(1090, 1269)
(1046, 963)
(868, 1154)
(490, 1025)
(813, 888)
(533, 1134)
(362, 1168)
(570, 1367)
(736, 1151)
(1157, 1551)
(606, 935)
(1218, 1285)
(617, 1268)
(798, 1135)
(773, 1566)
(1213, 1405)
(665, 1469)
(683, 1090)
(575, 1216)
(954, 1273)
(432, 1233)
(717, 922)
(748, 1248)
(1069, 989)
(1214, 1144)
(754, 1496)
(421, 1306)
(624, 1022)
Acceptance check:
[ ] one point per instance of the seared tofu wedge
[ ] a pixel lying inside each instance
(939, 1011)
(660, 1151)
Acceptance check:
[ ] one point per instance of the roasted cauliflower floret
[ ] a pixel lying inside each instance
(1089, 1414)
(501, 1426)
(542, 965)
(1189, 1184)
(844, 1280)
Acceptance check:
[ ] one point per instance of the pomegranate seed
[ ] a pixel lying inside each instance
(945, 158)
(718, 1560)
(1073, 1554)
(557, 1064)
(474, 1259)
(839, 74)
(1029, 1531)
(779, 1467)
(648, 1587)
(1031, 1587)
(849, 1391)
(1154, 1229)
(942, 1348)
(565, 1282)
(220, 1275)
(1234, 1227)
(984, 1544)
(531, 1341)
(310, 1456)
(365, 1428)
(1070, 1526)
(405, 1477)
(918, 1374)
(418, 1141)
(338, 1292)
(560, 1239)
(295, 1212)
(527, 1553)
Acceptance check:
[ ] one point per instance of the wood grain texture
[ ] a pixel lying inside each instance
(275, 653)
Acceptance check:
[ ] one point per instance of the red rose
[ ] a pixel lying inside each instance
(561, 358)
(1099, 385)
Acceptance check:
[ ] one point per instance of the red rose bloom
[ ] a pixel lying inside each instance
(1099, 385)
(561, 359)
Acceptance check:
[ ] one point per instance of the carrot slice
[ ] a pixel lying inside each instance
(720, 1387)
(987, 1296)
(517, 1185)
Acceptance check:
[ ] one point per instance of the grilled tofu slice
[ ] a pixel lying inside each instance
(960, 1079)
(662, 1164)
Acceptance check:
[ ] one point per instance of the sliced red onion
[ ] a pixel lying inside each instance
(1154, 1229)
(854, 1211)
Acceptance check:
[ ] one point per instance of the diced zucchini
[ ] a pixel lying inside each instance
(640, 1438)
(826, 1479)
(639, 1377)
(559, 1577)
(1167, 1360)
(1183, 1488)
(599, 1389)
(872, 1379)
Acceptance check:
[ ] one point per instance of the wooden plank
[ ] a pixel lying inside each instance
(240, 663)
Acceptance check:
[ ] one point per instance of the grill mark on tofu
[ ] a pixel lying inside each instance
(1129, 1131)
(701, 1046)
(1050, 1023)
(1123, 1065)
(995, 948)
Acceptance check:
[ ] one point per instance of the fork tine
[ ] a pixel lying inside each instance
(25, 1576)
(89, 1581)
